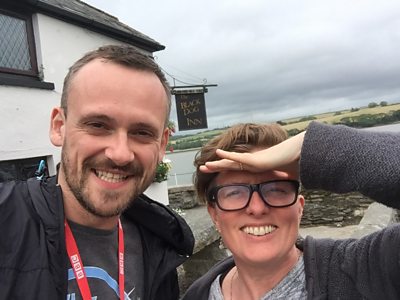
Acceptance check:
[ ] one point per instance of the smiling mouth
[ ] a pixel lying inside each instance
(259, 230)
(110, 177)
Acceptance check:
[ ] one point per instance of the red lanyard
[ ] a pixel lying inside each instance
(77, 265)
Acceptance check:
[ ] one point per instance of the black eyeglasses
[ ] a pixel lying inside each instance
(276, 193)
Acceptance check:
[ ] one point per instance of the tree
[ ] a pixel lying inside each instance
(372, 104)
(293, 132)
(307, 118)
(383, 103)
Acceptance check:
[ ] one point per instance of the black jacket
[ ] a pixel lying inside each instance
(33, 258)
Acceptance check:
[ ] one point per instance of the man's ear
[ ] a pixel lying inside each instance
(164, 142)
(57, 122)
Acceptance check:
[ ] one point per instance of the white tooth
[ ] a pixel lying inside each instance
(259, 231)
(110, 177)
(262, 230)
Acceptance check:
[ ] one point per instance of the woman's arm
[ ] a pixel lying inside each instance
(342, 159)
(335, 158)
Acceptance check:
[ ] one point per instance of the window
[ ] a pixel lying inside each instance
(17, 49)
(20, 169)
(18, 61)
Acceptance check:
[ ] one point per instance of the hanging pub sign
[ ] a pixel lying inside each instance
(191, 109)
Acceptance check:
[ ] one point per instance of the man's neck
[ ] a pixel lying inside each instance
(75, 212)
(87, 219)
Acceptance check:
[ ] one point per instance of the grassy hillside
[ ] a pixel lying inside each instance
(294, 125)
(335, 117)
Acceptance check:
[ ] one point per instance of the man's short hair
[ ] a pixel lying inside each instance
(124, 55)
(239, 138)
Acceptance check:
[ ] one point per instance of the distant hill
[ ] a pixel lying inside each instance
(373, 115)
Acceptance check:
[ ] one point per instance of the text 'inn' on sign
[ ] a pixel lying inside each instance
(191, 107)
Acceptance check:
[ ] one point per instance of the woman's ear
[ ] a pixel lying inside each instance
(301, 207)
(213, 214)
(57, 122)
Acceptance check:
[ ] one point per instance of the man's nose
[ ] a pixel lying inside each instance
(120, 149)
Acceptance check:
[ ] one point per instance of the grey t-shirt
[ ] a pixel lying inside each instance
(292, 286)
(99, 253)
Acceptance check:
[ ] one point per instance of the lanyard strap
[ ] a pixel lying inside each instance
(77, 264)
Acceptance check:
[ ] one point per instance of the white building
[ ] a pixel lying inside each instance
(39, 41)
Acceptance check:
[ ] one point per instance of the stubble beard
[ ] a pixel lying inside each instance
(78, 185)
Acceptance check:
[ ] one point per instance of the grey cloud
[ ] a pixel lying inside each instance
(274, 59)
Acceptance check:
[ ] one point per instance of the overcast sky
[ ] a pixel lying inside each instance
(274, 59)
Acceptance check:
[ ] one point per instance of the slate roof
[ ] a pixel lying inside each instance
(82, 14)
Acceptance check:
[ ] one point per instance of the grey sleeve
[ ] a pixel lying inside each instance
(342, 159)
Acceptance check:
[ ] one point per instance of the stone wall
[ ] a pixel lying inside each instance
(182, 197)
(330, 209)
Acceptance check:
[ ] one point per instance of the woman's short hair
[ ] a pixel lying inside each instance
(238, 138)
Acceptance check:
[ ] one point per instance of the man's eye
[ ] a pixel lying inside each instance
(96, 125)
(144, 133)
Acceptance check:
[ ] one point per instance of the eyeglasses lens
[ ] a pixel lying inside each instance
(275, 194)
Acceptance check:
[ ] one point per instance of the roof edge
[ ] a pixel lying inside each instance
(95, 26)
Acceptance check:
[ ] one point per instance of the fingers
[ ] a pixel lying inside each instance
(233, 156)
(219, 165)
(206, 169)
(282, 157)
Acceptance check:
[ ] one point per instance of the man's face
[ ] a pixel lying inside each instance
(112, 137)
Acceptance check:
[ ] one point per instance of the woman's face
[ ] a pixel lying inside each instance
(257, 234)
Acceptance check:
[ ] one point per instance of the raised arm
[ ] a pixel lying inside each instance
(335, 158)
(283, 157)
(342, 159)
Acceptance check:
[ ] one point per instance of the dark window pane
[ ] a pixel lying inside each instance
(20, 169)
(14, 46)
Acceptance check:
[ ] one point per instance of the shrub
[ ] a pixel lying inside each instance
(372, 104)
(162, 170)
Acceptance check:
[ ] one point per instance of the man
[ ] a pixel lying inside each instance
(91, 232)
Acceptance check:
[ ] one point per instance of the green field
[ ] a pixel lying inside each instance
(293, 125)
(331, 118)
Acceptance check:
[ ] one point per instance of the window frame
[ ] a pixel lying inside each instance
(27, 18)
(14, 77)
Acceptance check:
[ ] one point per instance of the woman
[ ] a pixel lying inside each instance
(334, 158)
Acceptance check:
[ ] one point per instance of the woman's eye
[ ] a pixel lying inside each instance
(232, 193)
(276, 192)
